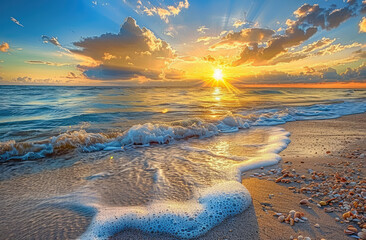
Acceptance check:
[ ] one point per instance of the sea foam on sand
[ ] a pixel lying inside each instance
(192, 218)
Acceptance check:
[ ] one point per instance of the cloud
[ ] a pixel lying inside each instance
(308, 19)
(47, 63)
(133, 52)
(173, 74)
(318, 48)
(52, 40)
(239, 23)
(318, 45)
(16, 21)
(337, 48)
(358, 73)
(309, 70)
(162, 12)
(362, 25)
(209, 58)
(207, 39)
(72, 75)
(310, 75)
(4, 47)
(202, 29)
(245, 36)
(363, 6)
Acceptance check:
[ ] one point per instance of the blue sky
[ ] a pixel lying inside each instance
(178, 24)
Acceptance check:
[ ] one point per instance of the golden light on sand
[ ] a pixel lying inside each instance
(218, 75)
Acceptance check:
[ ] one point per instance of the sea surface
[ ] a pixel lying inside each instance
(89, 162)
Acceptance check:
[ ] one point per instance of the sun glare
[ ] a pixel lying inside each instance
(218, 76)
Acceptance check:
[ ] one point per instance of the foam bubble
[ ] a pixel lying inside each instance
(181, 219)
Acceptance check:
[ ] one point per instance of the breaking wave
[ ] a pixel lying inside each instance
(164, 133)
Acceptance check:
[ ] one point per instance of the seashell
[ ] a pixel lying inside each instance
(300, 237)
(292, 221)
(348, 232)
(288, 218)
(346, 215)
(362, 235)
(352, 229)
(281, 218)
(304, 202)
(307, 238)
(323, 203)
(329, 210)
(317, 225)
(278, 179)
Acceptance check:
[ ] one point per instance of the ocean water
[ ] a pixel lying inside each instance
(89, 162)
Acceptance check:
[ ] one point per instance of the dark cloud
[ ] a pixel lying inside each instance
(133, 52)
(330, 74)
(355, 74)
(308, 19)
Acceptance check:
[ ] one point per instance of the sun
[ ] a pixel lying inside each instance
(218, 76)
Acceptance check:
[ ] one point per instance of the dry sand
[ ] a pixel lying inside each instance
(310, 141)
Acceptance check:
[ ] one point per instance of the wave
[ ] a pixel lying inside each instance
(207, 207)
(142, 135)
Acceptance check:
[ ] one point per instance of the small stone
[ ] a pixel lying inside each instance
(317, 225)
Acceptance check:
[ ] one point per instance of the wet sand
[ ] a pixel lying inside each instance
(310, 142)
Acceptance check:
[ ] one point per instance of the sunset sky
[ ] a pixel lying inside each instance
(183, 43)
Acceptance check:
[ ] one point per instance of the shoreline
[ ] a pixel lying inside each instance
(310, 142)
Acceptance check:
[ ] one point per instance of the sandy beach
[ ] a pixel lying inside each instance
(323, 146)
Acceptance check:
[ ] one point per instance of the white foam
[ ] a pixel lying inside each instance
(181, 219)
(191, 218)
(164, 133)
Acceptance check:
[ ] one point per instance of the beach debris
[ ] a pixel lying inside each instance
(322, 203)
(362, 235)
(304, 202)
(292, 221)
(317, 225)
(291, 218)
(352, 229)
(343, 191)
(329, 209)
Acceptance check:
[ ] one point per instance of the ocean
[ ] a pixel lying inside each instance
(89, 162)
